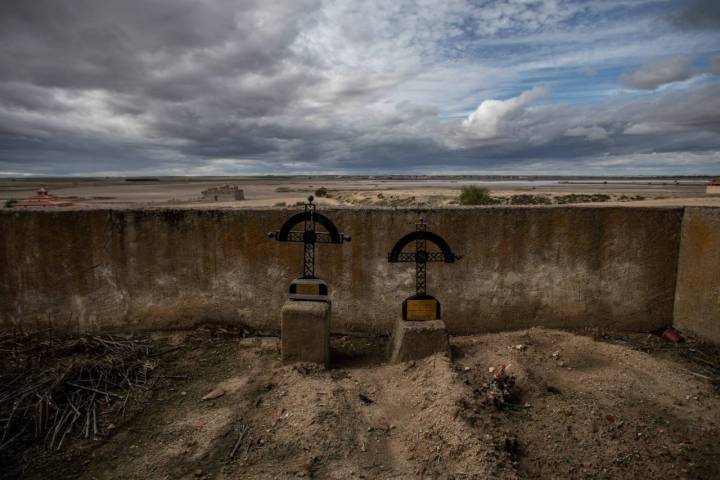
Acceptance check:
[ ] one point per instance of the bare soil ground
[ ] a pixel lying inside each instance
(587, 406)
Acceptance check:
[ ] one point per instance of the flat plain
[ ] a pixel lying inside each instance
(407, 191)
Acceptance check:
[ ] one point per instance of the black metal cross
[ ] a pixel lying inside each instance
(421, 256)
(309, 236)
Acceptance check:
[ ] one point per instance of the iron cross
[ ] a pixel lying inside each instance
(421, 256)
(309, 236)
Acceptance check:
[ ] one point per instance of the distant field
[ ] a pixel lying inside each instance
(386, 191)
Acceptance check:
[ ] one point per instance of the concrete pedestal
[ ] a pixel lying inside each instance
(305, 332)
(413, 340)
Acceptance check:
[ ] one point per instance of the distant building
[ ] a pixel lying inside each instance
(41, 199)
(713, 188)
(223, 193)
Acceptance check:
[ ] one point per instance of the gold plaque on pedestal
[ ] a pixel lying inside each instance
(422, 309)
(307, 289)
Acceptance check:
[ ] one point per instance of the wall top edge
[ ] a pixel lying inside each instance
(350, 208)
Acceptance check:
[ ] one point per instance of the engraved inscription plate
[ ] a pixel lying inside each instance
(422, 309)
(307, 288)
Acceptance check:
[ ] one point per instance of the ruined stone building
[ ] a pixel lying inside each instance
(42, 199)
(223, 193)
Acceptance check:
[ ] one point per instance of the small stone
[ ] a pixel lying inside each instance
(466, 369)
(491, 369)
(556, 354)
(519, 346)
(183, 393)
(198, 473)
(214, 393)
(561, 363)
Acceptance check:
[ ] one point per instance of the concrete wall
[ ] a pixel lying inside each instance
(151, 269)
(697, 299)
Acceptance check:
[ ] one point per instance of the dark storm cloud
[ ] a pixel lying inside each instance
(715, 65)
(14, 95)
(127, 46)
(659, 72)
(700, 14)
(191, 69)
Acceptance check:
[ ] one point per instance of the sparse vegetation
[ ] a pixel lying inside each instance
(525, 199)
(582, 198)
(321, 192)
(280, 204)
(626, 198)
(10, 203)
(472, 195)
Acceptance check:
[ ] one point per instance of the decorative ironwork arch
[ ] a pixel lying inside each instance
(309, 236)
(447, 255)
(283, 235)
(421, 256)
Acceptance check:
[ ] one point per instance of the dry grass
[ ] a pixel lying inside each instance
(52, 388)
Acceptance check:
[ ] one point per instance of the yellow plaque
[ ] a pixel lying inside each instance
(307, 289)
(422, 309)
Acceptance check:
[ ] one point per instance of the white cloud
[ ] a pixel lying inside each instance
(492, 118)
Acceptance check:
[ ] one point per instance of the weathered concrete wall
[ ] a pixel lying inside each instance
(697, 298)
(151, 269)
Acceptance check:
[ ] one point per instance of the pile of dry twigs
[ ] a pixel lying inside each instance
(53, 388)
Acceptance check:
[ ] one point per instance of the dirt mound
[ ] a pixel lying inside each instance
(593, 409)
(399, 421)
(627, 407)
(389, 421)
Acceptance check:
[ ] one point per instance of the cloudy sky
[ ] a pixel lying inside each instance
(212, 87)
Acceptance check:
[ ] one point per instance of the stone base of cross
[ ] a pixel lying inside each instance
(416, 340)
